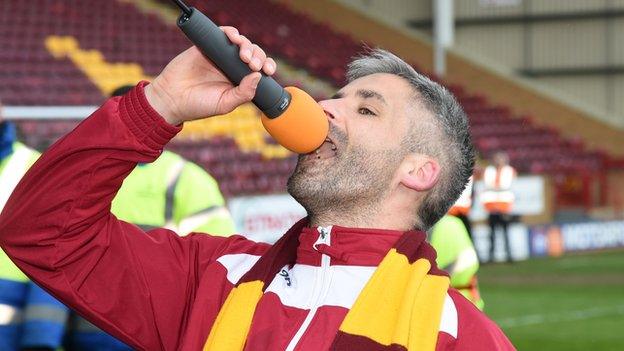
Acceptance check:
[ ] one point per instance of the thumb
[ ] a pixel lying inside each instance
(240, 94)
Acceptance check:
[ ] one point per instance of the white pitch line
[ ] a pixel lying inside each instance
(561, 317)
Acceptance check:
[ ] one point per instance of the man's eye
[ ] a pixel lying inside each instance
(365, 111)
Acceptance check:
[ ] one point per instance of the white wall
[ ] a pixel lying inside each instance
(541, 45)
(399, 10)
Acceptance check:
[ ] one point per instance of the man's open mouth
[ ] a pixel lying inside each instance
(327, 150)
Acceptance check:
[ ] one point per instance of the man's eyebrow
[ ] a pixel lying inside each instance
(370, 94)
(338, 95)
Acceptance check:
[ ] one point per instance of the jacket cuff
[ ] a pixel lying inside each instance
(143, 121)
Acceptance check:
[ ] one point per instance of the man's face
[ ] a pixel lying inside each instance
(368, 122)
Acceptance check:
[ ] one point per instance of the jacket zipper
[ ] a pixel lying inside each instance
(320, 291)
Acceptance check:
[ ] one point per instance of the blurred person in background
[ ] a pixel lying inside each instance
(498, 199)
(461, 207)
(457, 256)
(173, 193)
(170, 192)
(15, 159)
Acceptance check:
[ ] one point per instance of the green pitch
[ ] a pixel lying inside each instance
(575, 302)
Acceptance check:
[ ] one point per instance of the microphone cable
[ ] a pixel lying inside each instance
(187, 10)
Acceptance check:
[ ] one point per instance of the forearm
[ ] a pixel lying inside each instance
(71, 187)
(57, 225)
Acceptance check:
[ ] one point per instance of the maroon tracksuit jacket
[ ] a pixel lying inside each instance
(159, 291)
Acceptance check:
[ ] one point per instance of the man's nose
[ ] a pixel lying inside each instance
(332, 111)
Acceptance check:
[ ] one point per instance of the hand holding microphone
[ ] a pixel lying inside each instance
(192, 87)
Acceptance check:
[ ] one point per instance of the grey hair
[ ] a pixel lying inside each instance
(446, 137)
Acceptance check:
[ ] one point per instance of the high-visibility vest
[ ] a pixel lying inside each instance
(456, 254)
(13, 167)
(498, 197)
(173, 193)
(464, 203)
(13, 283)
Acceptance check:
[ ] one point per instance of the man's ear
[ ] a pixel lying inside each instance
(419, 172)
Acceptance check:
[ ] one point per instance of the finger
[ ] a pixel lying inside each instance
(269, 66)
(258, 58)
(232, 34)
(246, 49)
(241, 94)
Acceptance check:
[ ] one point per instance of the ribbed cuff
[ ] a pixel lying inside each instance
(143, 121)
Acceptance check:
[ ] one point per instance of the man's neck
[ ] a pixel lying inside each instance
(378, 218)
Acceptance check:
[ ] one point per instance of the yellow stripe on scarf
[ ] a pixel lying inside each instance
(427, 313)
(401, 304)
(231, 327)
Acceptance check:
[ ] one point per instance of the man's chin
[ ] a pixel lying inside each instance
(307, 170)
(305, 182)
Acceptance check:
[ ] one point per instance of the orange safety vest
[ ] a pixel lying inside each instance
(497, 197)
(463, 204)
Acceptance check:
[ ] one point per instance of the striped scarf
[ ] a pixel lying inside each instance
(407, 284)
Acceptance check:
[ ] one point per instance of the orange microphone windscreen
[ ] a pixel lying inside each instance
(302, 127)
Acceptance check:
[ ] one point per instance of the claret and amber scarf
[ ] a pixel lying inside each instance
(407, 285)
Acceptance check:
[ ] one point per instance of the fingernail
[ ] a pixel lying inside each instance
(256, 81)
(256, 62)
(271, 66)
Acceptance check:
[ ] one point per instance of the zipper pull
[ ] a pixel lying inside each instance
(323, 231)
(323, 238)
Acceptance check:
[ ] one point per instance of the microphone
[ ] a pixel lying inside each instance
(289, 115)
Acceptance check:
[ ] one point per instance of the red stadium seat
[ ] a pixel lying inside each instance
(30, 75)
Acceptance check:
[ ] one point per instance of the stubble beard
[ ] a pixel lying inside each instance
(344, 189)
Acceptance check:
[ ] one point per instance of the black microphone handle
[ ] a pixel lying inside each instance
(270, 97)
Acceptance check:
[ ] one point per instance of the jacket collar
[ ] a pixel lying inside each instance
(346, 246)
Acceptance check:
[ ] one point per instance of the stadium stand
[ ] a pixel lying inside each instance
(74, 57)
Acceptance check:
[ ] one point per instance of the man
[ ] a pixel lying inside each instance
(397, 156)
(498, 199)
(169, 192)
(15, 159)
(457, 256)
